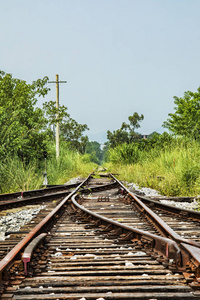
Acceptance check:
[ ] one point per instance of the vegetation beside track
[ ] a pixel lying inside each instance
(169, 165)
(19, 176)
(27, 132)
(167, 162)
(164, 162)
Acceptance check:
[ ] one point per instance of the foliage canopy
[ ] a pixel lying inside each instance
(70, 130)
(21, 122)
(27, 130)
(126, 134)
(185, 120)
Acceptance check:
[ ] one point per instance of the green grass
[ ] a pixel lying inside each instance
(16, 175)
(70, 164)
(172, 170)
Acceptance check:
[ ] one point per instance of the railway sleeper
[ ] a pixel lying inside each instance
(77, 280)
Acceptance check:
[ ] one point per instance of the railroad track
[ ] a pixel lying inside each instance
(183, 221)
(48, 198)
(35, 196)
(101, 241)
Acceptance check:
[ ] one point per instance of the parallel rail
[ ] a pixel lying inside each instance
(35, 196)
(174, 252)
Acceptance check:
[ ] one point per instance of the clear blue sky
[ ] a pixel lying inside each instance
(118, 56)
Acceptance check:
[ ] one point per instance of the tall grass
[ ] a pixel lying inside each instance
(16, 175)
(70, 164)
(174, 170)
(125, 154)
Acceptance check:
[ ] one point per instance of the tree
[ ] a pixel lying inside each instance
(153, 135)
(50, 111)
(70, 130)
(94, 149)
(22, 125)
(126, 134)
(186, 119)
(26, 130)
(117, 137)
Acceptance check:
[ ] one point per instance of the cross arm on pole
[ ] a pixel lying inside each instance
(57, 81)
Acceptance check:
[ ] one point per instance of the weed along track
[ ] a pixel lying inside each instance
(102, 242)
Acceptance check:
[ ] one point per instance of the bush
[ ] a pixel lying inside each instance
(125, 154)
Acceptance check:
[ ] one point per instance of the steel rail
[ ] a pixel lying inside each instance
(56, 192)
(189, 249)
(161, 225)
(95, 273)
(8, 259)
(36, 199)
(187, 213)
(28, 252)
(179, 254)
(167, 247)
(182, 254)
(33, 193)
(97, 188)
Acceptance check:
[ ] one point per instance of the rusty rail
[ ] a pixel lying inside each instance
(183, 212)
(161, 225)
(179, 250)
(189, 249)
(25, 194)
(7, 261)
(181, 255)
(163, 245)
(26, 197)
(28, 252)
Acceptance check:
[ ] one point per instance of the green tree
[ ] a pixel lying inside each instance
(50, 112)
(127, 133)
(117, 137)
(22, 124)
(185, 121)
(70, 130)
(94, 149)
(153, 135)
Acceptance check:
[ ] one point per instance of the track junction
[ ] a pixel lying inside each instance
(98, 240)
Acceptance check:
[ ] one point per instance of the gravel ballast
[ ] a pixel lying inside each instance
(14, 219)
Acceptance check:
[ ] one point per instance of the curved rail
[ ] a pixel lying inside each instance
(163, 245)
(161, 225)
(6, 262)
(179, 250)
(29, 250)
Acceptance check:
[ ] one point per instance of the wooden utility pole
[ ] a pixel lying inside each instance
(57, 114)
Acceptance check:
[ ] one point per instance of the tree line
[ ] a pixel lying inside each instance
(184, 122)
(27, 130)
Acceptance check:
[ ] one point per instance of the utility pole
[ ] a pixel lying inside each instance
(57, 114)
